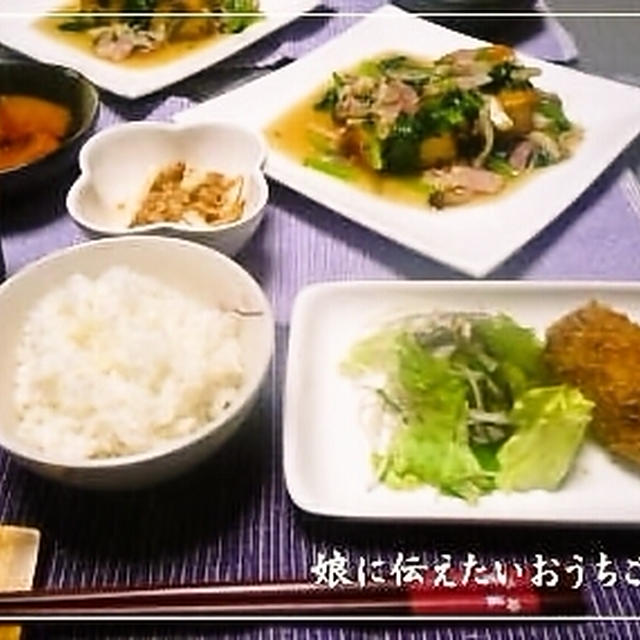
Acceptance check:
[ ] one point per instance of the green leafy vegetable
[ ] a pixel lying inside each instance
(236, 24)
(551, 107)
(432, 445)
(370, 68)
(411, 71)
(487, 456)
(79, 23)
(139, 6)
(501, 165)
(401, 148)
(550, 426)
(474, 404)
(332, 165)
(502, 77)
(393, 63)
(517, 351)
(453, 110)
(542, 158)
(329, 99)
(374, 353)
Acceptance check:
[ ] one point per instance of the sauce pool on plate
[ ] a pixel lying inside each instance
(433, 133)
(171, 50)
(292, 134)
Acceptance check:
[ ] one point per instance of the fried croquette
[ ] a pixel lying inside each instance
(598, 350)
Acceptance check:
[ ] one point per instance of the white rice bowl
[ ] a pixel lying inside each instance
(120, 365)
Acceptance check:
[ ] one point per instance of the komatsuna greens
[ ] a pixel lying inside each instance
(120, 28)
(467, 123)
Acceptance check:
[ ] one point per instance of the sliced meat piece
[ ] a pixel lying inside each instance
(118, 41)
(398, 97)
(393, 98)
(474, 81)
(475, 62)
(115, 42)
(460, 57)
(355, 97)
(520, 156)
(459, 184)
(477, 180)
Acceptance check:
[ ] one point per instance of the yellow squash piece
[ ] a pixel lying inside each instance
(438, 150)
(519, 105)
(498, 53)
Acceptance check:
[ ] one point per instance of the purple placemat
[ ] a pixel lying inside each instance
(543, 35)
(232, 519)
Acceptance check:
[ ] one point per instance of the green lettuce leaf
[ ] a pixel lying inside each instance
(332, 165)
(517, 350)
(432, 445)
(377, 352)
(550, 427)
(474, 406)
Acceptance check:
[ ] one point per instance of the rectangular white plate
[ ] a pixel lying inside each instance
(18, 32)
(474, 238)
(326, 453)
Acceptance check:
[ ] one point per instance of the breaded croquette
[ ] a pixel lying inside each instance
(598, 350)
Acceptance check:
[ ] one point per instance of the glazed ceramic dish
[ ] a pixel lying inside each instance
(119, 163)
(22, 32)
(475, 237)
(198, 272)
(64, 87)
(327, 453)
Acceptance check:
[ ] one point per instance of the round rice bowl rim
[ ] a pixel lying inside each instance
(247, 392)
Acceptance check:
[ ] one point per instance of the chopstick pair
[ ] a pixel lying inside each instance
(294, 599)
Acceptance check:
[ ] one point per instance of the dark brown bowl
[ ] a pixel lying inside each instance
(61, 85)
(493, 20)
(473, 6)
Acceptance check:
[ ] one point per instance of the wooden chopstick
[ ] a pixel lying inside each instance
(294, 599)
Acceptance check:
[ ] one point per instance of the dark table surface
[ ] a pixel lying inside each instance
(608, 46)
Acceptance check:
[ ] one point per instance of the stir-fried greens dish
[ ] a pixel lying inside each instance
(466, 124)
(117, 37)
(467, 404)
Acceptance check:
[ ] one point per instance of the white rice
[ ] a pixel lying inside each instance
(122, 364)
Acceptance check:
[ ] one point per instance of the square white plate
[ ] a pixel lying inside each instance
(474, 238)
(327, 454)
(18, 31)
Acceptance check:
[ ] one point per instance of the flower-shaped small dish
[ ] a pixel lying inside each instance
(121, 167)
